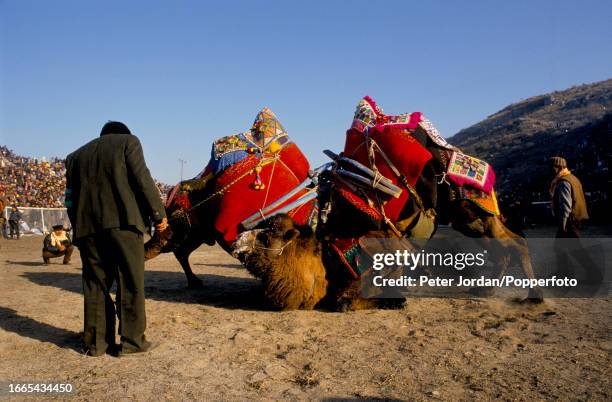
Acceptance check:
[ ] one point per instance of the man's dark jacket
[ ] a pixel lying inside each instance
(108, 185)
(15, 216)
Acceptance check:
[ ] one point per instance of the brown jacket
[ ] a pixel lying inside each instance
(579, 206)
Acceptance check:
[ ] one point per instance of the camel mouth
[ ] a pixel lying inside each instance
(245, 243)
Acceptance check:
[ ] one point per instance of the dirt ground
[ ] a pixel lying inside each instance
(223, 342)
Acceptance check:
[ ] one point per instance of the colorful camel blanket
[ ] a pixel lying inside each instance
(467, 170)
(248, 172)
(369, 114)
(486, 201)
(393, 146)
(266, 135)
(271, 168)
(384, 144)
(395, 138)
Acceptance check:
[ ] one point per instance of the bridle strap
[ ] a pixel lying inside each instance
(279, 249)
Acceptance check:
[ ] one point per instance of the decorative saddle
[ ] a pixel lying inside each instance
(251, 176)
(389, 146)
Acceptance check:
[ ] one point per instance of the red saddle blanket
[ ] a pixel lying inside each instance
(271, 167)
(240, 196)
(247, 172)
(392, 137)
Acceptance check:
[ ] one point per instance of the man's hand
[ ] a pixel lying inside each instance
(162, 225)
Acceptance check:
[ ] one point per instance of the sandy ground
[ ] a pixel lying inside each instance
(223, 342)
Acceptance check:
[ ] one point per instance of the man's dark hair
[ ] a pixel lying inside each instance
(115, 127)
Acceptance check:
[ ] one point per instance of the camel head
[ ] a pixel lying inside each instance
(270, 239)
(287, 258)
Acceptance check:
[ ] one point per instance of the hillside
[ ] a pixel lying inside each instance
(519, 139)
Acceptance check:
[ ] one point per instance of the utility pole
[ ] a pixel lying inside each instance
(182, 162)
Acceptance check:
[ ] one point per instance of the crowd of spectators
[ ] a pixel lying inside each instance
(32, 182)
(164, 189)
(37, 182)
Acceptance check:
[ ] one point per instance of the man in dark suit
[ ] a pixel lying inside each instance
(109, 195)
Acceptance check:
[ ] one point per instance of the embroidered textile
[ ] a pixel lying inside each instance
(467, 170)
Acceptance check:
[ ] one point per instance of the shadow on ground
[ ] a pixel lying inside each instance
(27, 263)
(27, 327)
(217, 290)
(232, 266)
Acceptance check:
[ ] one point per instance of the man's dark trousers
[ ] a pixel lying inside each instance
(14, 225)
(113, 254)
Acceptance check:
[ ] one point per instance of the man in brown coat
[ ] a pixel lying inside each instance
(568, 203)
(570, 209)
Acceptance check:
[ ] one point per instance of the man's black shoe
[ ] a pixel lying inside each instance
(114, 350)
(146, 347)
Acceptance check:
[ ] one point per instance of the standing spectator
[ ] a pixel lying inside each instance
(2, 215)
(56, 244)
(570, 209)
(568, 203)
(14, 218)
(109, 190)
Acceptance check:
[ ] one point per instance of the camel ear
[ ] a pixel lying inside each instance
(291, 234)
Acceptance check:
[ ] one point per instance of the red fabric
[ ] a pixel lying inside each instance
(358, 202)
(172, 194)
(239, 199)
(182, 200)
(341, 247)
(408, 156)
(301, 214)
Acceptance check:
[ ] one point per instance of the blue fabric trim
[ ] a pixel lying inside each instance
(227, 160)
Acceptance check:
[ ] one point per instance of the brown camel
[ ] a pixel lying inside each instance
(433, 200)
(262, 250)
(288, 260)
(298, 270)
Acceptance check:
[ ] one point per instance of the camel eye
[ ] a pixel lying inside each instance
(264, 239)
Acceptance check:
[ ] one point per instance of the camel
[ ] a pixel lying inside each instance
(298, 270)
(289, 263)
(433, 200)
(249, 175)
(296, 264)
(188, 230)
(273, 254)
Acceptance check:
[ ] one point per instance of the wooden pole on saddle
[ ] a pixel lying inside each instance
(374, 179)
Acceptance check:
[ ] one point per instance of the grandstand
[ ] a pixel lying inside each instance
(36, 186)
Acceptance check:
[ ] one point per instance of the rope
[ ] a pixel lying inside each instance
(372, 160)
(443, 178)
(279, 249)
(263, 162)
(377, 178)
(263, 205)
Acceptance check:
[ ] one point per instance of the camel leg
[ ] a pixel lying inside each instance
(518, 248)
(502, 260)
(182, 253)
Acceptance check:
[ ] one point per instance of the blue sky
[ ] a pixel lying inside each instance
(182, 73)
